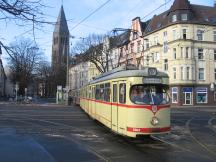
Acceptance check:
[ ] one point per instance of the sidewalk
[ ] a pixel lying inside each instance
(196, 106)
(33, 104)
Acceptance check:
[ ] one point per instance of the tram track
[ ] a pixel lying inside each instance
(68, 135)
(211, 125)
(202, 144)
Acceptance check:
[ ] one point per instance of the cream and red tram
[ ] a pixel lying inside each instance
(129, 101)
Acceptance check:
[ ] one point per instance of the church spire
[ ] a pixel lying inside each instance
(61, 24)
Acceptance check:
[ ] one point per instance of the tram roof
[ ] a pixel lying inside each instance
(127, 71)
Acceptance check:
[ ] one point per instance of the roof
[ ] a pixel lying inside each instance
(61, 24)
(126, 71)
(197, 14)
(120, 39)
(180, 5)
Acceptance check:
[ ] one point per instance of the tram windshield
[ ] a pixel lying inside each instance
(149, 94)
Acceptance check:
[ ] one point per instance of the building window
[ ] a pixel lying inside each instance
(165, 33)
(201, 95)
(147, 43)
(181, 52)
(174, 35)
(184, 33)
(184, 17)
(156, 40)
(200, 54)
(165, 47)
(174, 94)
(139, 46)
(215, 74)
(135, 35)
(174, 53)
(214, 95)
(215, 54)
(121, 52)
(174, 18)
(165, 65)
(187, 52)
(201, 73)
(182, 72)
(192, 73)
(214, 35)
(157, 57)
(153, 56)
(174, 73)
(188, 73)
(200, 35)
(132, 48)
(55, 40)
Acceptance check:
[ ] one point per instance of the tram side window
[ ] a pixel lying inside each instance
(89, 92)
(107, 92)
(97, 95)
(122, 93)
(93, 92)
(114, 92)
(101, 92)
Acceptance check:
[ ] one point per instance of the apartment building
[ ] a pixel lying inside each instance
(182, 42)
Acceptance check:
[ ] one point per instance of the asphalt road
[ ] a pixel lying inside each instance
(51, 133)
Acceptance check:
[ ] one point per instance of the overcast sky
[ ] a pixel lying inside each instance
(116, 13)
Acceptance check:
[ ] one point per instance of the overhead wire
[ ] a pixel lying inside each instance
(101, 6)
(166, 2)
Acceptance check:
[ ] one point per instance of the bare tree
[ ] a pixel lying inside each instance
(45, 77)
(24, 57)
(92, 49)
(22, 13)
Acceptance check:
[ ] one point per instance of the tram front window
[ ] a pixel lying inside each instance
(149, 94)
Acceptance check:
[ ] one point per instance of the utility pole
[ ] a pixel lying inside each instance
(67, 76)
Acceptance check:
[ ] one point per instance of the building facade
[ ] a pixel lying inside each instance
(182, 42)
(80, 74)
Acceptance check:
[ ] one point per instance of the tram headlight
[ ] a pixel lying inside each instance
(154, 121)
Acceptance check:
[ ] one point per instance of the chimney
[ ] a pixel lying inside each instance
(135, 23)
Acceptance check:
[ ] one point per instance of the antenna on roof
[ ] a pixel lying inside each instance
(62, 2)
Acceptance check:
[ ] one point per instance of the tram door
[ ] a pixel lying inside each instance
(114, 110)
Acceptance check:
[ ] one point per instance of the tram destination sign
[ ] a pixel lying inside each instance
(152, 80)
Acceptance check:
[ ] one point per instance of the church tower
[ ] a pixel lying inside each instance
(60, 49)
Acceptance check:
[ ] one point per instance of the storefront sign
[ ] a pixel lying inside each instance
(187, 89)
(201, 90)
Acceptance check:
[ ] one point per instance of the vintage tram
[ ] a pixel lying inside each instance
(129, 101)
